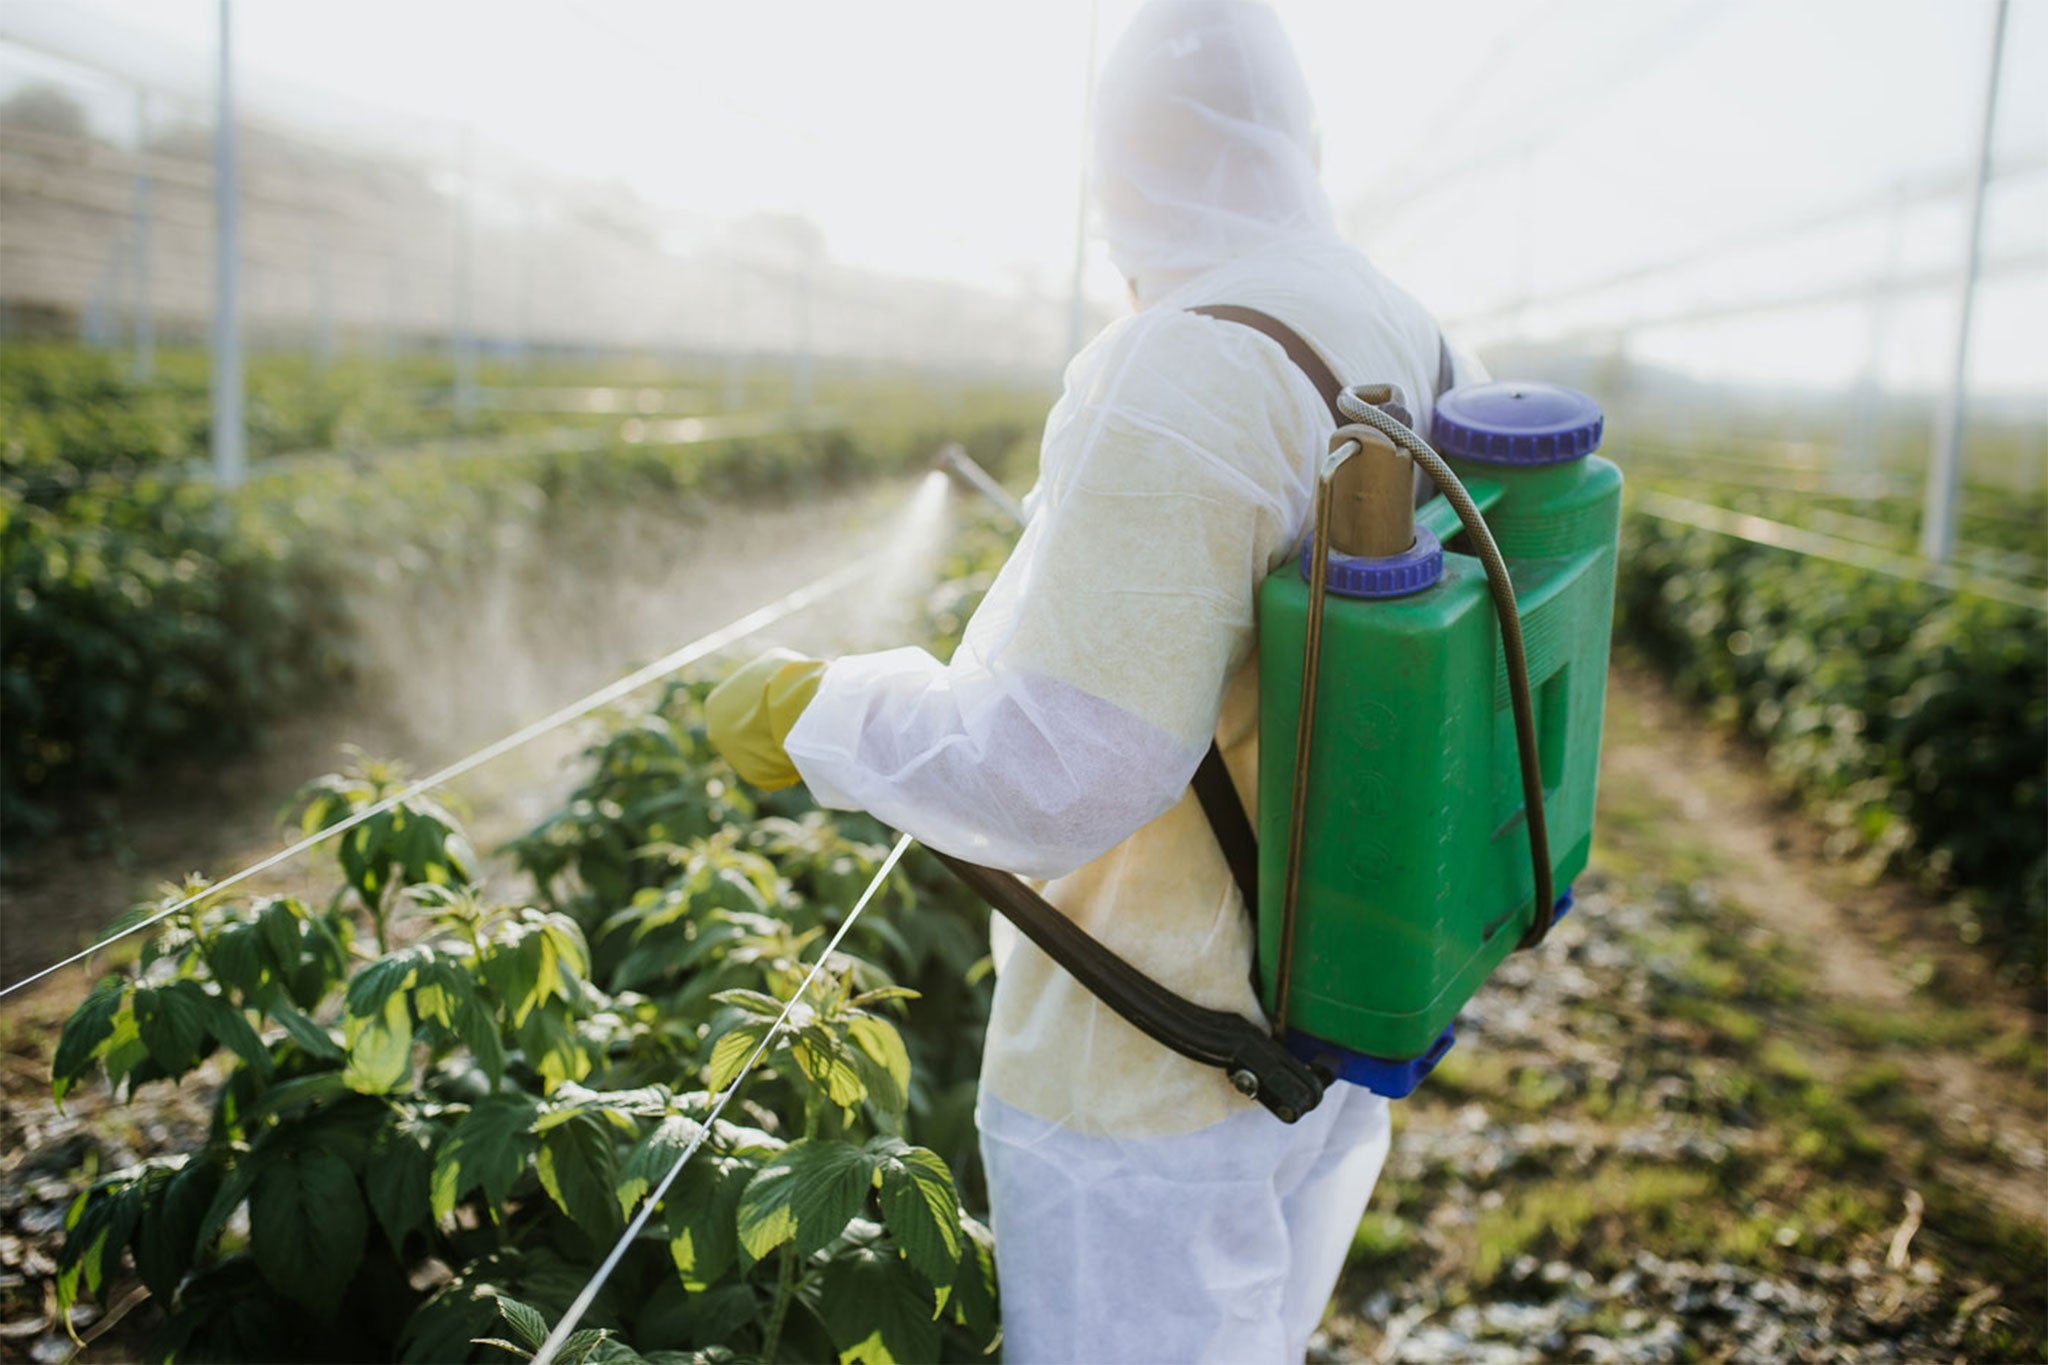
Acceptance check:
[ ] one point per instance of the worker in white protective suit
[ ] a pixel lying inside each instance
(1143, 1209)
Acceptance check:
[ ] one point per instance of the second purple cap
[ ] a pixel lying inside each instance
(1526, 423)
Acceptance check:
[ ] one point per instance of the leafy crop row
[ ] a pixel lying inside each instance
(144, 613)
(1914, 717)
(441, 1105)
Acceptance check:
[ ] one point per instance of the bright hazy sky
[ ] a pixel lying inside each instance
(1486, 153)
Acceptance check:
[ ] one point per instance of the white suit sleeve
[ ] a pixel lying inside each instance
(1173, 477)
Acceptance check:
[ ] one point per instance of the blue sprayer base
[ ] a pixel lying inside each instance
(1396, 1080)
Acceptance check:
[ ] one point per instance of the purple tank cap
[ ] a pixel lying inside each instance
(1414, 569)
(1528, 423)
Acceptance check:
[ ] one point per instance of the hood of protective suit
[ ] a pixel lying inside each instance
(1205, 142)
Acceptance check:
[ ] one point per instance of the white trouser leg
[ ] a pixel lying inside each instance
(1219, 1245)
(1322, 1212)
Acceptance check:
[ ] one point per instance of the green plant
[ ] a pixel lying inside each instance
(1913, 718)
(146, 614)
(419, 1076)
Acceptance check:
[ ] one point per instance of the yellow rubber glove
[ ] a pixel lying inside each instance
(750, 715)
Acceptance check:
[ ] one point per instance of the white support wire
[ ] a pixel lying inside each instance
(1817, 545)
(701, 648)
(567, 1325)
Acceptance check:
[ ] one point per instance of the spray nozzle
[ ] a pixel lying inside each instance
(954, 460)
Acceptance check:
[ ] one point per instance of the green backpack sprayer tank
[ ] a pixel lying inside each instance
(1444, 674)
(1414, 876)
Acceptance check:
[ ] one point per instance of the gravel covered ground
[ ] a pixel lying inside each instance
(46, 1159)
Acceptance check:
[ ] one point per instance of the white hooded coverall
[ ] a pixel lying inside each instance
(1143, 1209)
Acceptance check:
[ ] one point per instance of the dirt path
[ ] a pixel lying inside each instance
(1875, 945)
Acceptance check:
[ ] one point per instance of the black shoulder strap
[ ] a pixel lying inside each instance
(1300, 352)
(1256, 1062)
(1231, 825)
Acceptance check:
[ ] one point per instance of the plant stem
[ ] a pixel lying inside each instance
(377, 914)
(785, 1273)
(785, 1290)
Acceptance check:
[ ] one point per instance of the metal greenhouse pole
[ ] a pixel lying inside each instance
(229, 461)
(143, 365)
(464, 343)
(1938, 506)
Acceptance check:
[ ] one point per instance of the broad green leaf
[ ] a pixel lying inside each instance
(456, 1315)
(172, 1021)
(578, 1165)
(595, 1346)
(807, 1195)
(123, 1053)
(397, 1180)
(525, 1320)
(324, 963)
(97, 1229)
(167, 1243)
(754, 1003)
(879, 1041)
(517, 969)
(370, 989)
(730, 1054)
(551, 1045)
(237, 959)
(487, 1150)
(300, 1092)
(476, 1023)
(312, 1039)
(226, 1312)
(438, 988)
(379, 1046)
(674, 1313)
(869, 999)
(88, 1028)
(228, 1196)
(875, 1307)
(920, 1206)
(656, 957)
(280, 926)
(972, 1299)
(307, 1226)
(447, 994)
(232, 1031)
(703, 1211)
(572, 955)
(509, 974)
(825, 1059)
(652, 1156)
